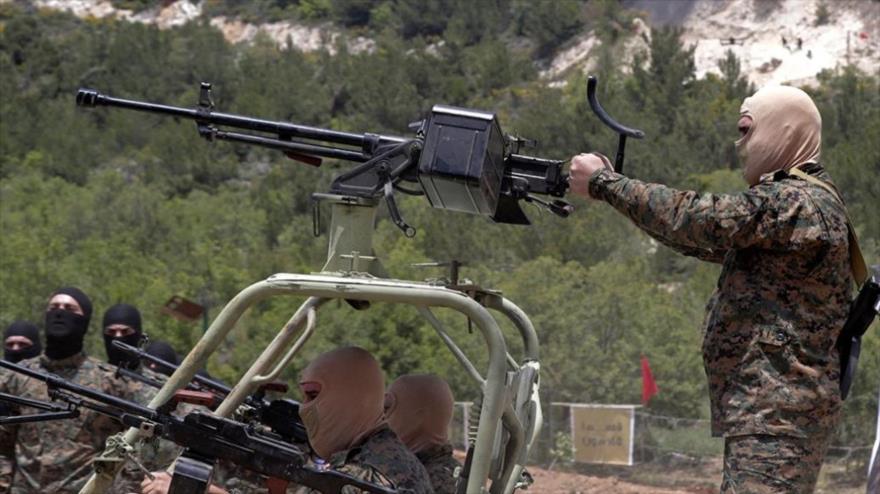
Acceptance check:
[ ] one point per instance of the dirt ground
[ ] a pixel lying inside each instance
(669, 479)
(550, 482)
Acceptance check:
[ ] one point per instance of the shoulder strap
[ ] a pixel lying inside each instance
(859, 268)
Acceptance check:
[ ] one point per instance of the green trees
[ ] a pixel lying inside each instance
(134, 208)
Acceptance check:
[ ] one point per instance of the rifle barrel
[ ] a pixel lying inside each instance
(56, 382)
(203, 381)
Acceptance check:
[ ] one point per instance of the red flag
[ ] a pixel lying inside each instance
(649, 386)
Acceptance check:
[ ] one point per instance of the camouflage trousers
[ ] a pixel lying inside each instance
(765, 464)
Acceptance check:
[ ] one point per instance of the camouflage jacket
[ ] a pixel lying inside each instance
(781, 299)
(56, 456)
(441, 467)
(383, 460)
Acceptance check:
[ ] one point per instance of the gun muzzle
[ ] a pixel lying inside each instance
(88, 97)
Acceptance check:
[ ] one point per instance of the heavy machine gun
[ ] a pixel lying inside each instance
(459, 158)
(205, 437)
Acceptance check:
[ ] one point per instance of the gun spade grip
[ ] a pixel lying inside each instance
(600, 112)
(87, 97)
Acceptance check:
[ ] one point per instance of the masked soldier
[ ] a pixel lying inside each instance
(783, 294)
(419, 408)
(343, 413)
(122, 322)
(56, 456)
(21, 340)
(163, 351)
(342, 410)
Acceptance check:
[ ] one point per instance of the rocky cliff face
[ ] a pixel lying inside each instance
(777, 41)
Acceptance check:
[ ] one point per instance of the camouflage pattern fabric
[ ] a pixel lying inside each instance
(7, 446)
(383, 460)
(56, 456)
(781, 299)
(237, 480)
(764, 464)
(442, 468)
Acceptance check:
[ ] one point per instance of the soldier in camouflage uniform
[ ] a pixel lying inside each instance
(56, 456)
(782, 296)
(419, 409)
(122, 322)
(21, 341)
(342, 410)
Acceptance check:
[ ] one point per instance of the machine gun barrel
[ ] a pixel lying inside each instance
(205, 115)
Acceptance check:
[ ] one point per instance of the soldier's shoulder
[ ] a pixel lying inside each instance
(384, 452)
(367, 473)
(385, 444)
(786, 194)
(93, 366)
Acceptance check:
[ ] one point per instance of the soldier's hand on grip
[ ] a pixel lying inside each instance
(583, 166)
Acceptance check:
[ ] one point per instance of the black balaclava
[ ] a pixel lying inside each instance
(163, 351)
(29, 331)
(131, 317)
(65, 330)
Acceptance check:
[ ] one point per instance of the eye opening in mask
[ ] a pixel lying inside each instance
(119, 330)
(744, 125)
(310, 390)
(16, 343)
(65, 302)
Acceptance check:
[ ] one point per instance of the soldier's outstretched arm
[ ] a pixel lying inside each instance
(759, 217)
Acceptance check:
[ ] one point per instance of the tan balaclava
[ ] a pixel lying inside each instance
(786, 132)
(349, 405)
(419, 409)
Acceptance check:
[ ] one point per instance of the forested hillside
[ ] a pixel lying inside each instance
(135, 208)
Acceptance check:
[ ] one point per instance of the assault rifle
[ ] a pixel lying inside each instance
(205, 437)
(281, 415)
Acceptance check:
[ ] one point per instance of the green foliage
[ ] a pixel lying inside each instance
(548, 23)
(135, 208)
(563, 449)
